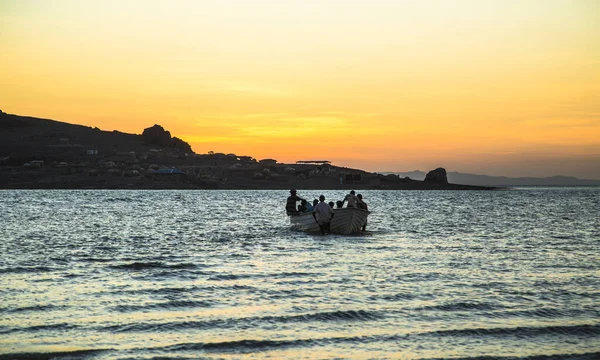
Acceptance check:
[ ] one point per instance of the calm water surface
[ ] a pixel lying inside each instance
(219, 274)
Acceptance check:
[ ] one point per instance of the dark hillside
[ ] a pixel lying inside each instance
(47, 154)
(25, 139)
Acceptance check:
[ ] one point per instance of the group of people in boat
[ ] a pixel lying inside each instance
(322, 211)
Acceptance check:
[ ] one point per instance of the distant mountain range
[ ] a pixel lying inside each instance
(486, 180)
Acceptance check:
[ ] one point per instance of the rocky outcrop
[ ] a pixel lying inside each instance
(437, 176)
(182, 145)
(157, 135)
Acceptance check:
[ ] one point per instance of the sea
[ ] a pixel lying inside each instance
(210, 274)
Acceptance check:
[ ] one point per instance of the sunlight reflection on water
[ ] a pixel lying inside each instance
(220, 274)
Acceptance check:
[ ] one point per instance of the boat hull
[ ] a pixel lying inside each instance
(345, 221)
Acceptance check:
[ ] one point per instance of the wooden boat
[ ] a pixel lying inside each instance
(345, 221)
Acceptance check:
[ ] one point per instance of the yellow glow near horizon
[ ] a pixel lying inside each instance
(497, 87)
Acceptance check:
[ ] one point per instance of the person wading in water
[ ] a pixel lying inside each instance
(290, 205)
(323, 215)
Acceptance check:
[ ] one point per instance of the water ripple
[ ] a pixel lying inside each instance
(220, 274)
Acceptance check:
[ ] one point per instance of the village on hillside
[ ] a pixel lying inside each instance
(163, 169)
(40, 153)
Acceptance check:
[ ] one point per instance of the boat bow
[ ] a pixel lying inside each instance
(345, 221)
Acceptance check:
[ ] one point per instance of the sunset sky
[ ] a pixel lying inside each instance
(490, 87)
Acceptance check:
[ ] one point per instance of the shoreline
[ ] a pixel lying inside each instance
(413, 185)
(47, 154)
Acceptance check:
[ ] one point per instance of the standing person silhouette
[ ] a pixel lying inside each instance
(323, 215)
(290, 205)
(362, 205)
(351, 199)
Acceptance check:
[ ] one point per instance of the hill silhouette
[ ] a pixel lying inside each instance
(27, 138)
(44, 153)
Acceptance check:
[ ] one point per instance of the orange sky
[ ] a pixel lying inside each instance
(494, 87)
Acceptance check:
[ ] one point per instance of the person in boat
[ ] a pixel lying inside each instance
(310, 206)
(362, 205)
(303, 206)
(331, 204)
(290, 205)
(323, 215)
(351, 199)
(339, 204)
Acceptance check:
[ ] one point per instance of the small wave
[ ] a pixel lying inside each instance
(461, 306)
(31, 308)
(152, 265)
(52, 327)
(169, 305)
(165, 290)
(118, 199)
(60, 260)
(222, 277)
(295, 274)
(180, 275)
(239, 346)
(567, 266)
(554, 313)
(171, 326)
(53, 355)
(341, 315)
(175, 291)
(248, 345)
(238, 287)
(580, 330)
(418, 277)
(248, 322)
(397, 297)
(25, 270)
(284, 275)
(489, 285)
(288, 294)
(570, 356)
(91, 259)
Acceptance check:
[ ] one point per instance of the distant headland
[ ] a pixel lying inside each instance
(47, 154)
